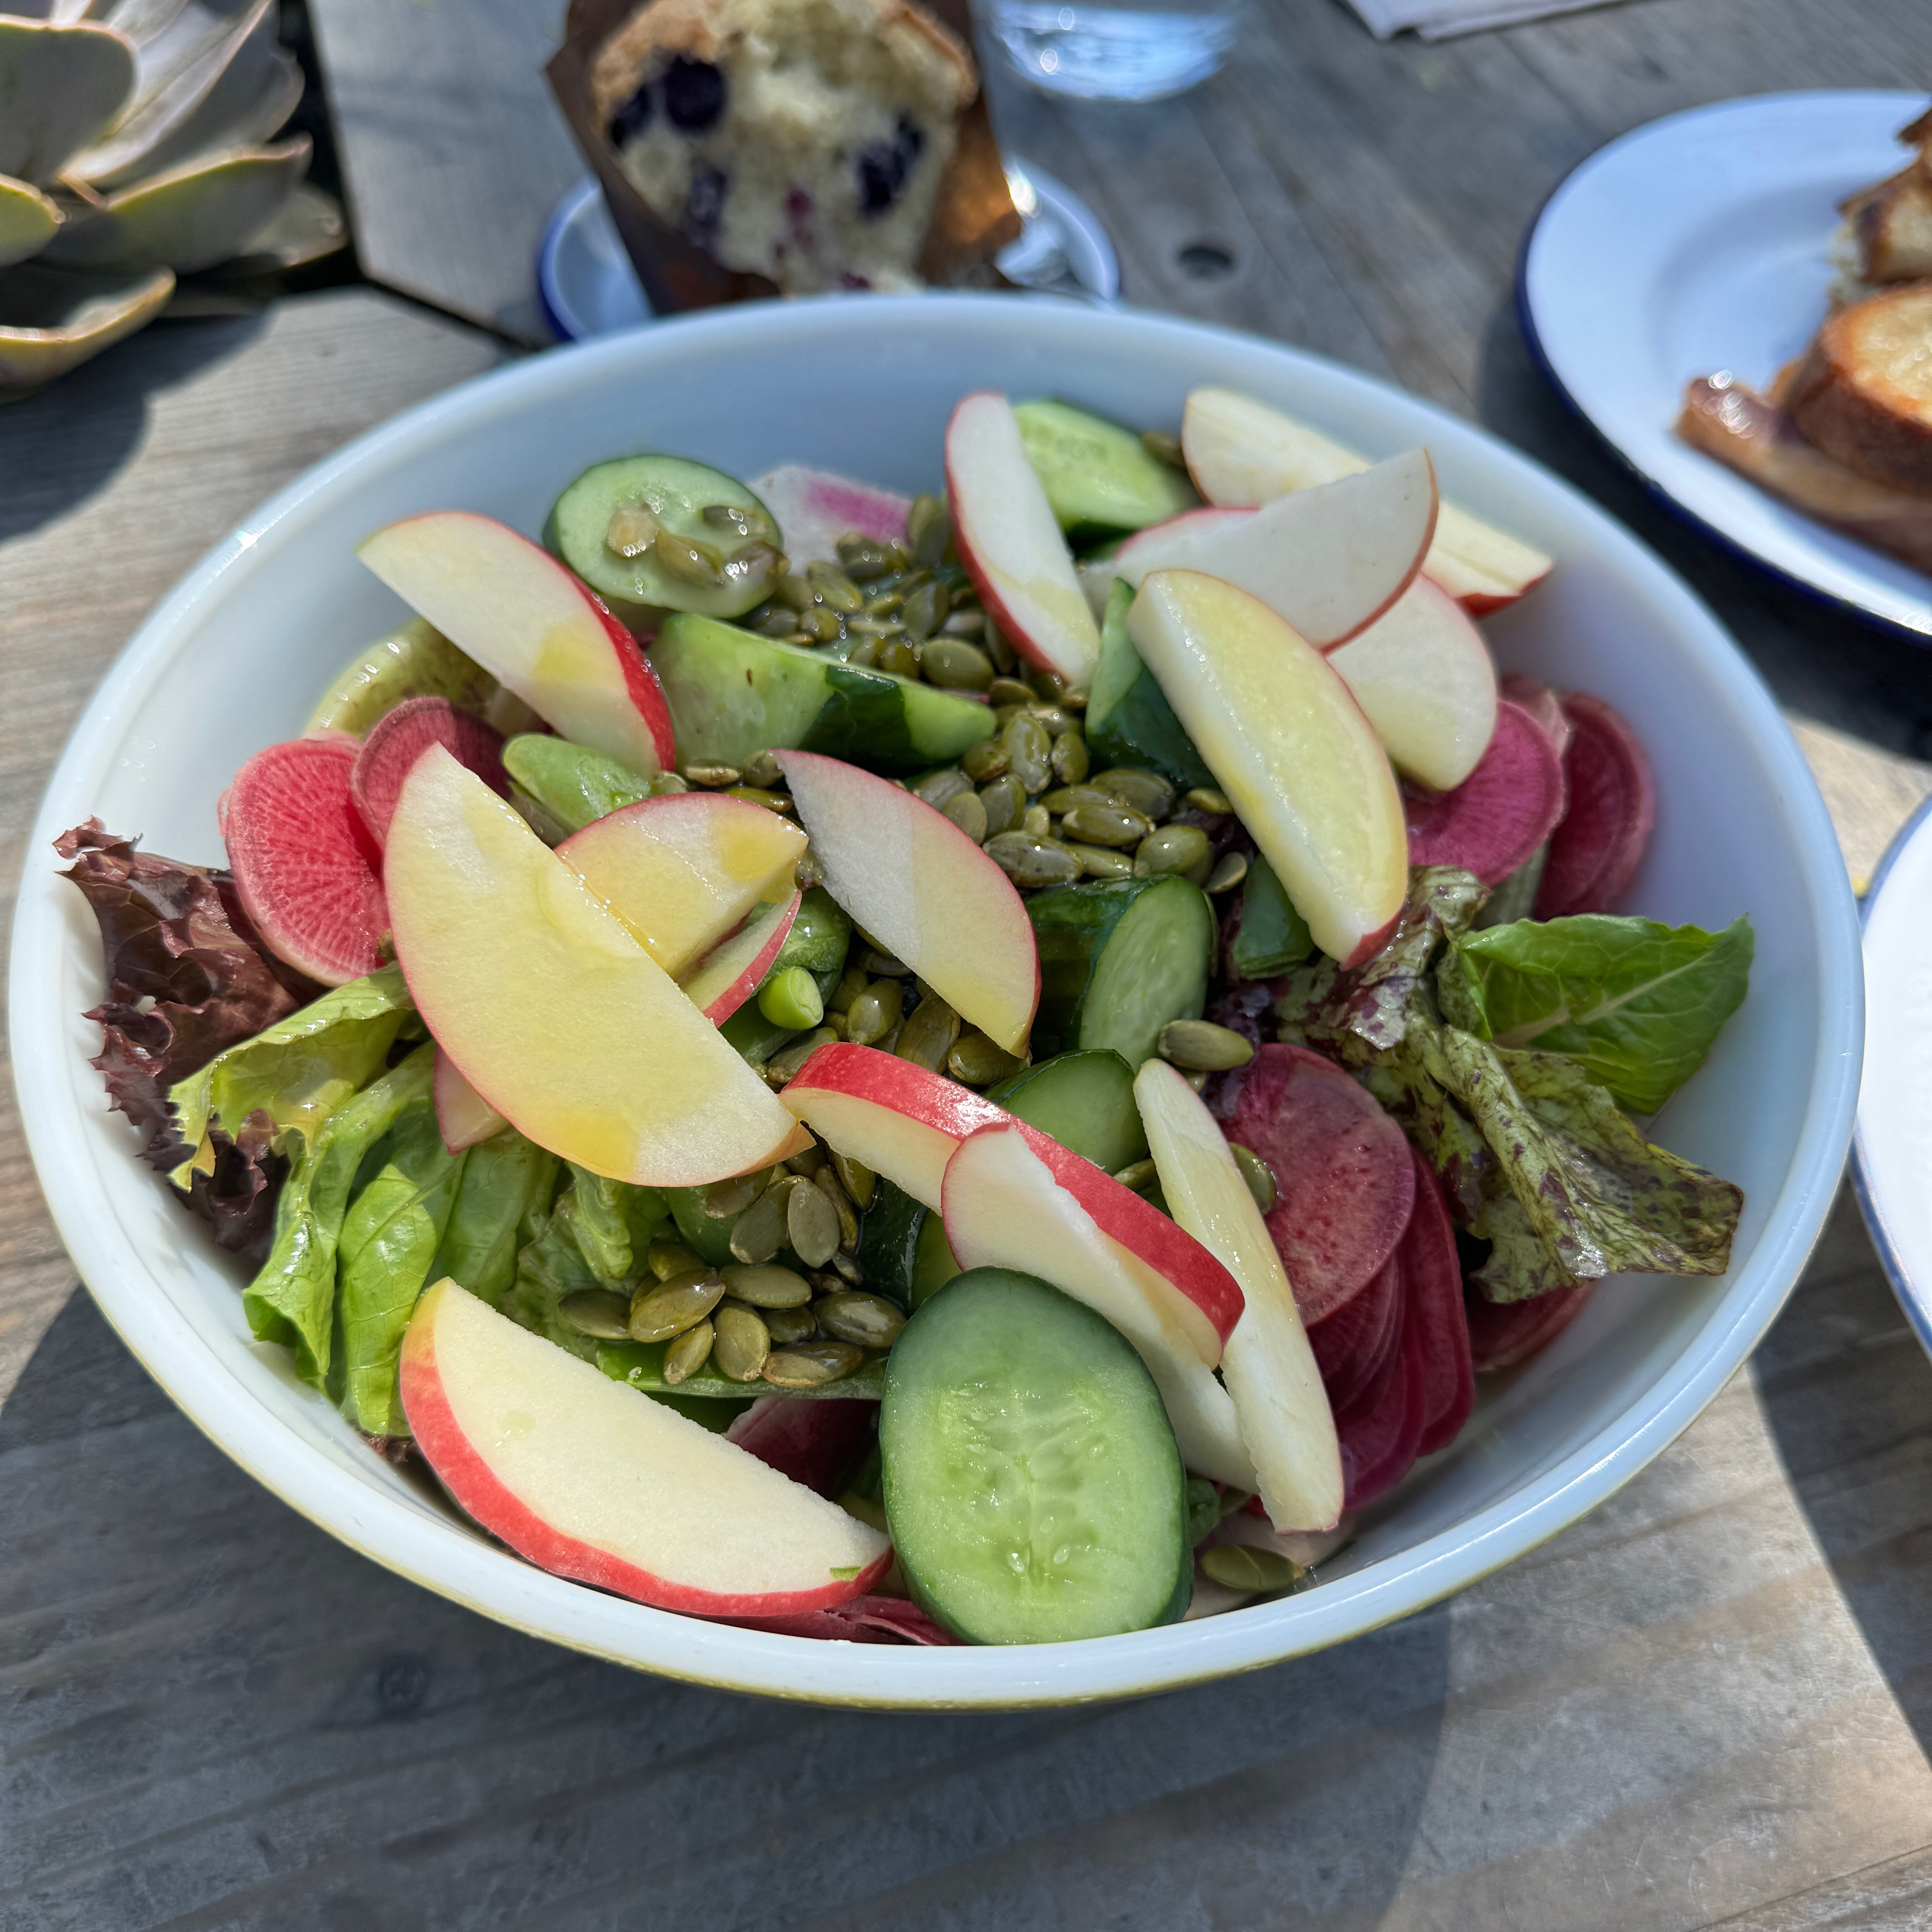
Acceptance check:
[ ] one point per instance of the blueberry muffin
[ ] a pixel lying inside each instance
(801, 140)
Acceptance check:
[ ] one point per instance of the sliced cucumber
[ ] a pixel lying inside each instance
(732, 693)
(417, 661)
(1085, 1101)
(1032, 1484)
(935, 1264)
(570, 784)
(1129, 720)
(888, 1251)
(1101, 479)
(1118, 959)
(641, 1364)
(1272, 936)
(677, 493)
(819, 938)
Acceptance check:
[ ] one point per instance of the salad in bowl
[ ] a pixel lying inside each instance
(982, 1068)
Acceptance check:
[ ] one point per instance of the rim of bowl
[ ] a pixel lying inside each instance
(457, 1563)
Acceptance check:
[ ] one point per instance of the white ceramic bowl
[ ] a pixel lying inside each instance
(233, 659)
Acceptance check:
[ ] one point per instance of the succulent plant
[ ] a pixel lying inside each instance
(137, 143)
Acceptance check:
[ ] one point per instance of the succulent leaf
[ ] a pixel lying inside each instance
(308, 226)
(60, 85)
(51, 320)
(28, 219)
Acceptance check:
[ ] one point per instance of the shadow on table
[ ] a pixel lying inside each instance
(210, 1710)
(63, 443)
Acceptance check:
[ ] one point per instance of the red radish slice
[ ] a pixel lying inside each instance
(1345, 1183)
(1543, 706)
(304, 865)
(1432, 1277)
(815, 1442)
(1500, 813)
(462, 1116)
(1597, 849)
(1502, 1333)
(864, 1620)
(814, 508)
(1357, 1343)
(1380, 1439)
(400, 737)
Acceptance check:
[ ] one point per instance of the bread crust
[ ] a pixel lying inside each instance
(1892, 223)
(1863, 395)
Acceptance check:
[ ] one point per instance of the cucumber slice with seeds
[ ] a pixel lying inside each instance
(1085, 1101)
(1032, 1485)
(1100, 479)
(732, 693)
(1128, 719)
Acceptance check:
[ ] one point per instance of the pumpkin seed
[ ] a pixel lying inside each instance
(997, 647)
(1198, 1082)
(1063, 798)
(953, 665)
(926, 1038)
(929, 530)
(812, 1226)
(1097, 862)
(874, 1012)
(743, 1343)
(808, 872)
(885, 604)
(1256, 1172)
(727, 517)
(711, 778)
(668, 1308)
(667, 783)
(777, 622)
(924, 610)
(1029, 752)
(1038, 820)
(689, 1352)
(764, 1285)
(1147, 792)
(1206, 798)
(1230, 869)
(760, 1231)
(791, 999)
(688, 560)
(940, 788)
(969, 814)
(724, 1199)
(821, 625)
(827, 1182)
(986, 760)
(1138, 1174)
(864, 559)
(761, 770)
(1005, 691)
(1055, 720)
(869, 1320)
(1005, 801)
(812, 1364)
(1108, 825)
(844, 1265)
(1174, 848)
(632, 530)
(598, 1311)
(807, 1163)
(794, 592)
(1163, 448)
(1200, 1046)
(852, 982)
(857, 1178)
(865, 654)
(1069, 758)
(976, 1061)
(753, 566)
(787, 1325)
(833, 588)
(1235, 1566)
(897, 657)
(783, 1067)
(772, 801)
(665, 1258)
(1030, 861)
(878, 961)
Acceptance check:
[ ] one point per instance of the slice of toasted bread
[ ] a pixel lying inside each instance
(1892, 223)
(1864, 393)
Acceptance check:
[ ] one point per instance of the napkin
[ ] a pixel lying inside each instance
(1438, 19)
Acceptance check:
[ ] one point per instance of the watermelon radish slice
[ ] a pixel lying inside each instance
(1500, 813)
(1542, 703)
(814, 508)
(815, 1443)
(304, 865)
(1356, 1344)
(400, 737)
(1432, 1276)
(1380, 1437)
(1345, 1183)
(1596, 850)
(1502, 1333)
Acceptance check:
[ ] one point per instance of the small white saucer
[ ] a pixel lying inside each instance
(1697, 243)
(588, 287)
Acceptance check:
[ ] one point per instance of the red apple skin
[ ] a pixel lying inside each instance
(724, 1004)
(903, 1088)
(1370, 943)
(481, 1496)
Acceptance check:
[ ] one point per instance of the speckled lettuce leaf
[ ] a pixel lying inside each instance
(507, 1184)
(1634, 1004)
(1518, 1264)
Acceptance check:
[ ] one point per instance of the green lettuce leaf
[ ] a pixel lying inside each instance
(1271, 936)
(507, 1184)
(1634, 1004)
(595, 1225)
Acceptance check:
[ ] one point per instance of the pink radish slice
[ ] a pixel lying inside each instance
(1433, 1277)
(815, 1443)
(1500, 813)
(1344, 1180)
(400, 737)
(1380, 1440)
(814, 508)
(1502, 1333)
(1542, 703)
(1597, 849)
(462, 1116)
(304, 865)
(863, 1620)
(1355, 1344)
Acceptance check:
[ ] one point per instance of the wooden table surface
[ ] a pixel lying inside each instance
(1707, 1704)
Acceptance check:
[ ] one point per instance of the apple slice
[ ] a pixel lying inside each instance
(905, 1122)
(1010, 543)
(1240, 452)
(733, 970)
(682, 870)
(462, 1116)
(814, 508)
(1289, 746)
(920, 887)
(1270, 1369)
(1424, 676)
(558, 1018)
(1330, 560)
(522, 616)
(1004, 1208)
(587, 1478)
